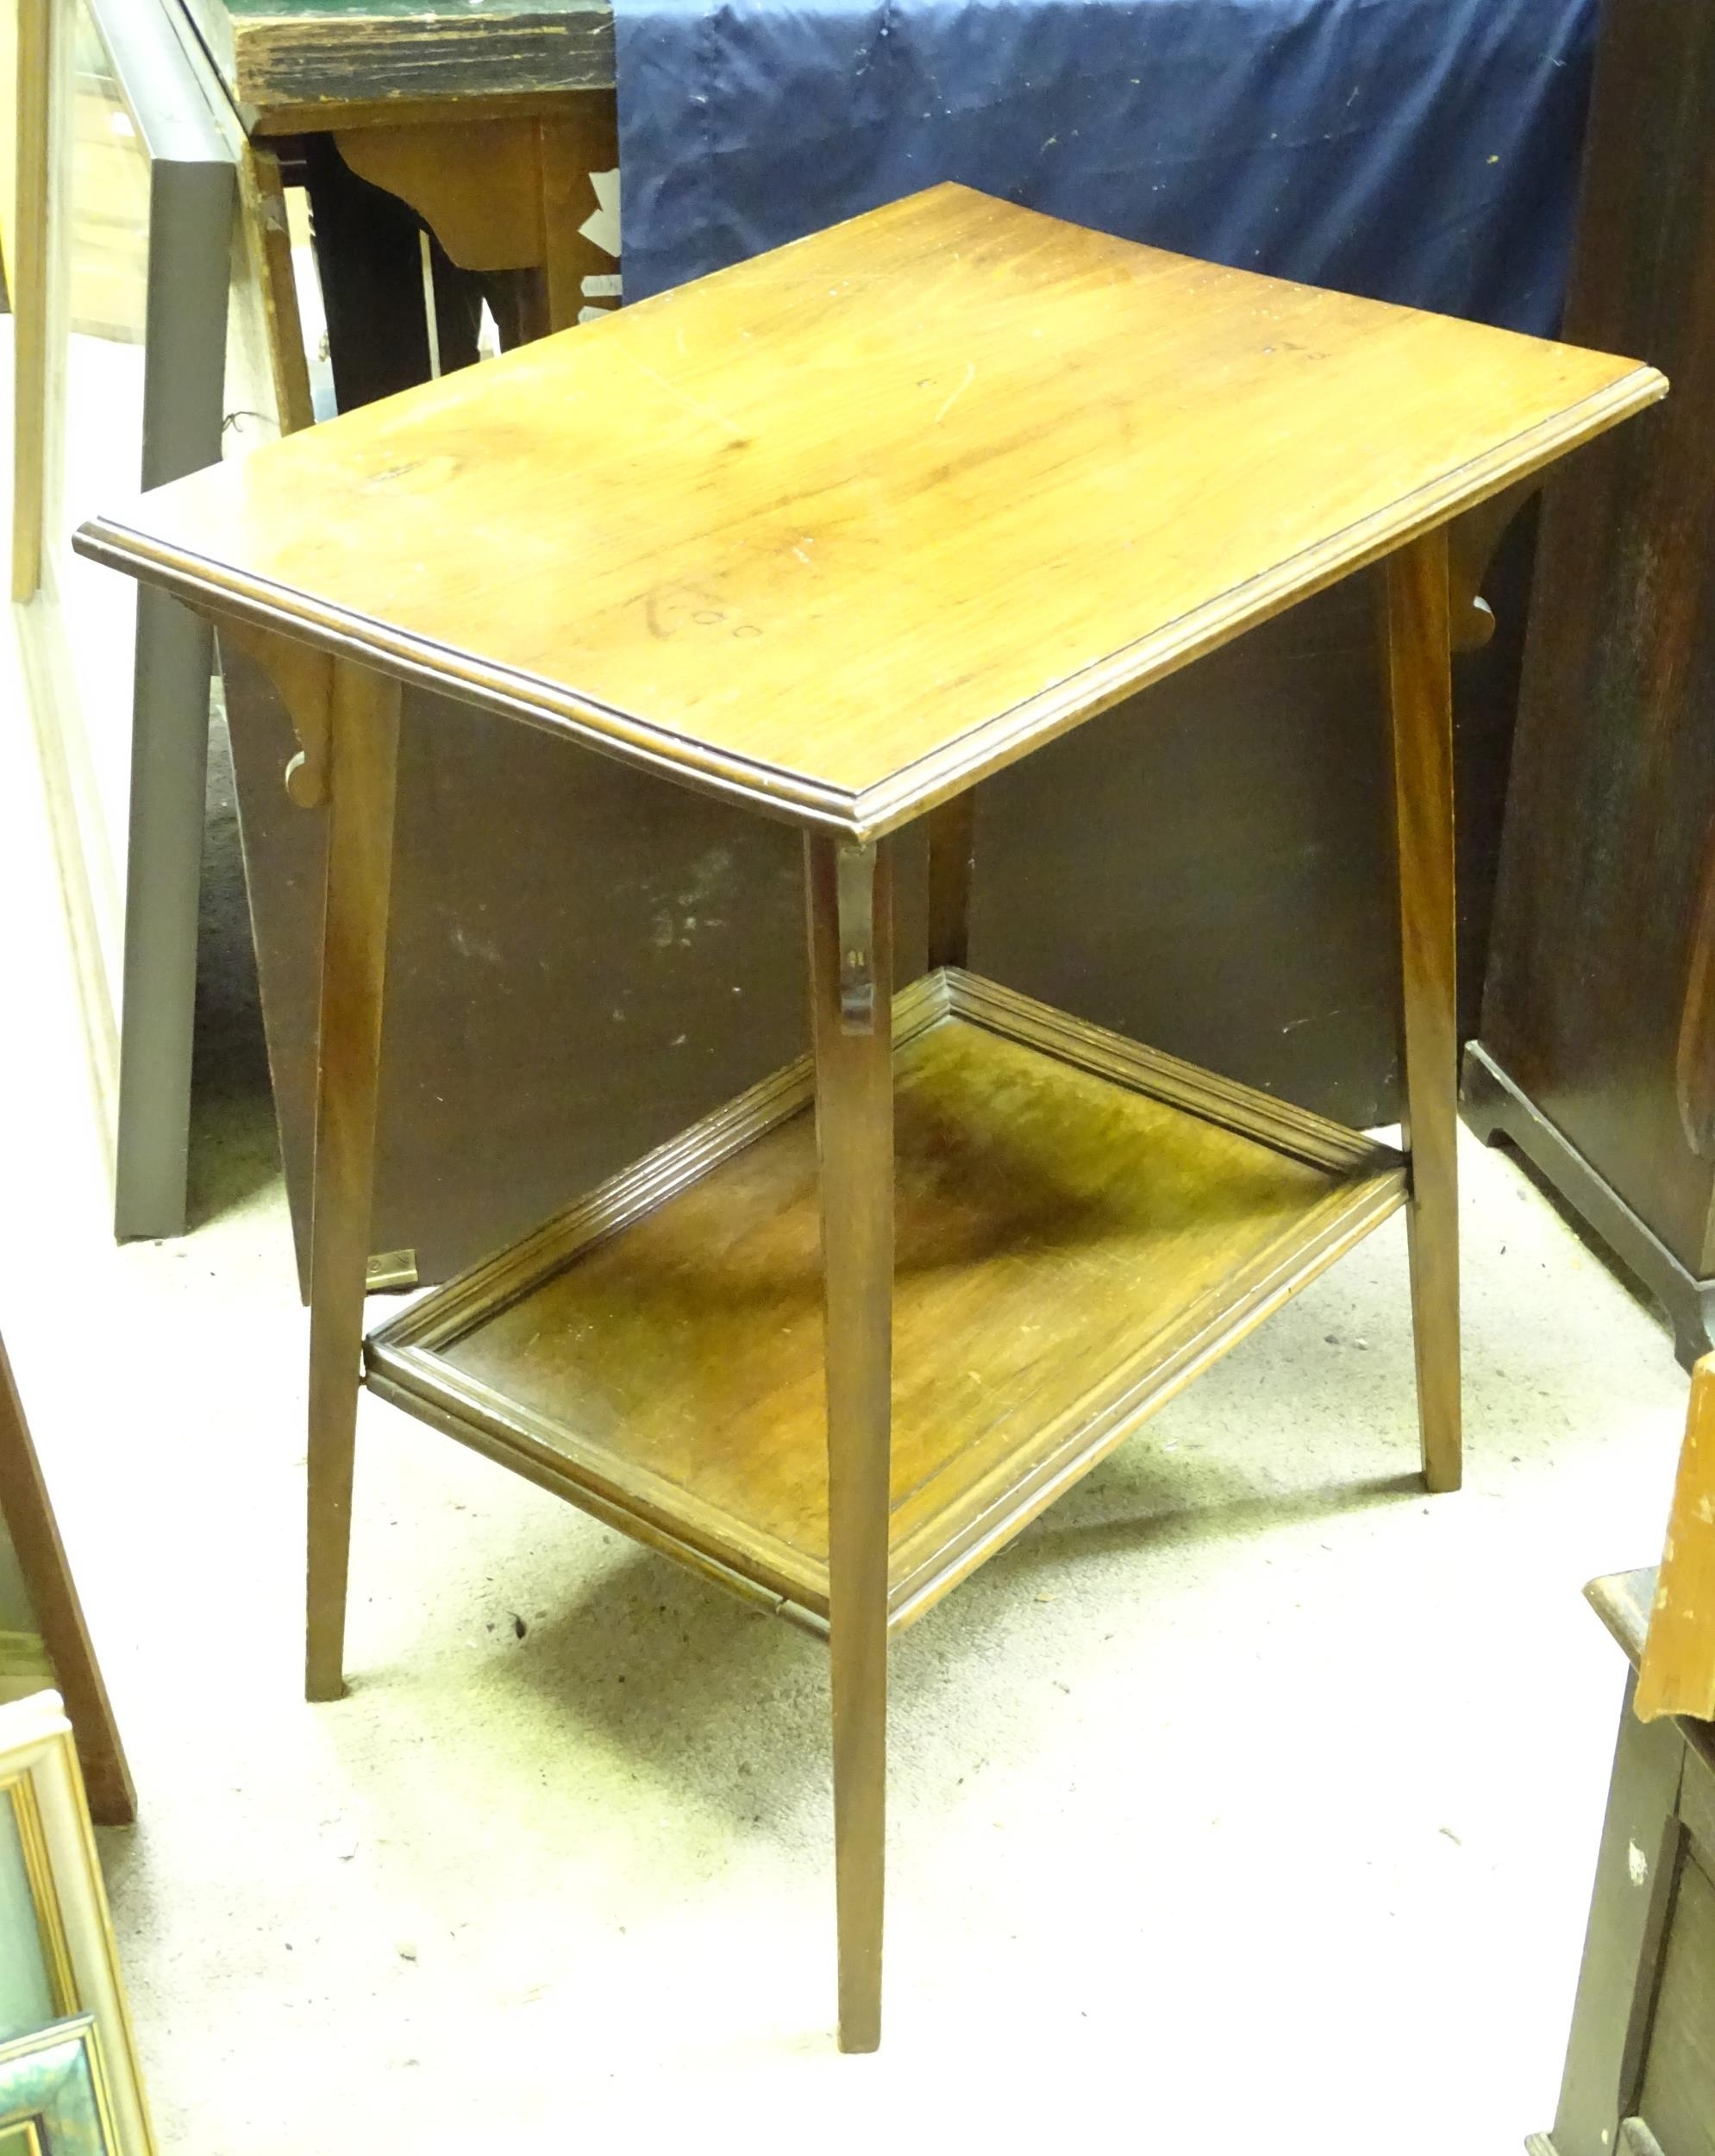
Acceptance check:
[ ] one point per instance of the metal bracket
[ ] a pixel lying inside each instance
(855, 902)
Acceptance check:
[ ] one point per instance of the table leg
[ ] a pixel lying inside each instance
(1420, 695)
(851, 978)
(952, 839)
(573, 146)
(364, 755)
(267, 246)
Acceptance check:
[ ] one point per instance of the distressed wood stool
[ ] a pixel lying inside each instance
(835, 535)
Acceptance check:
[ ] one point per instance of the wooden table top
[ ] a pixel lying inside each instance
(282, 59)
(842, 530)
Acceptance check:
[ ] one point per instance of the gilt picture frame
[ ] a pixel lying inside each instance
(55, 2099)
(58, 1959)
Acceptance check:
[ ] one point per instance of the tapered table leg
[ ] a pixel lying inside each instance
(1420, 694)
(851, 976)
(364, 756)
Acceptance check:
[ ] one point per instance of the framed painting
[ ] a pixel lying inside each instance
(53, 2094)
(58, 1959)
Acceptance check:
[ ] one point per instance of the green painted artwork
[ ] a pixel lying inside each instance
(26, 1994)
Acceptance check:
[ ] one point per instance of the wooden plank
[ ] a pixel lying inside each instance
(727, 604)
(286, 64)
(1678, 1673)
(28, 1515)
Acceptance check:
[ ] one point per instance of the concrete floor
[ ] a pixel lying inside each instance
(1249, 1801)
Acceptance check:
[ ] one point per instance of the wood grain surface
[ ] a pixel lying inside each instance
(843, 529)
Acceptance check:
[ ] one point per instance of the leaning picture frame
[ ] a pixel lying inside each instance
(55, 2099)
(58, 1959)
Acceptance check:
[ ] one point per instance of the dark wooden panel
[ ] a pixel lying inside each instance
(1678, 2096)
(1207, 869)
(584, 961)
(1613, 787)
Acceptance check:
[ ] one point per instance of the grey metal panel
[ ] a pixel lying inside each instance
(192, 201)
(165, 101)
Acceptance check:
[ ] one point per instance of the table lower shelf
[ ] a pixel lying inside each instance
(1082, 1226)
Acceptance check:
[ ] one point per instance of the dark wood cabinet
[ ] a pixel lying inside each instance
(1597, 1051)
(1639, 2078)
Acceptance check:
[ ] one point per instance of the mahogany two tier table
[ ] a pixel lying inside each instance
(835, 535)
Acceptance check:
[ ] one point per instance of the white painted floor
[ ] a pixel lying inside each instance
(1249, 1802)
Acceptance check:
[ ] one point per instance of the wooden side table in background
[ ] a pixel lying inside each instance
(847, 530)
(488, 123)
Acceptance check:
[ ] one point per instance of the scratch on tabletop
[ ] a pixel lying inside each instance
(970, 376)
(690, 403)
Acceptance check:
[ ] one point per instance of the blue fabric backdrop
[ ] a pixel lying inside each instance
(1417, 150)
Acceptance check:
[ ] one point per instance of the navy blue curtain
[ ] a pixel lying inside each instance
(1424, 151)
